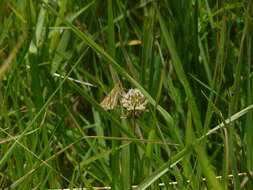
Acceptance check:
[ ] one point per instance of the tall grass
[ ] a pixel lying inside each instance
(192, 60)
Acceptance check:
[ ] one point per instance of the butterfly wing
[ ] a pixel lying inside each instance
(111, 100)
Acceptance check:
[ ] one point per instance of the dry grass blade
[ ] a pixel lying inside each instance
(12, 138)
(228, 121)
(8, 62)
(75, 80)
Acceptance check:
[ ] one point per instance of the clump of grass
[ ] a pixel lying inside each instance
(63, 66)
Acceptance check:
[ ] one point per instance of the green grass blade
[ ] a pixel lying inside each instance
(163, 169)
(114, 64)
(179, 70)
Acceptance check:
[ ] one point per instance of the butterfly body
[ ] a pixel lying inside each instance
(111, 100)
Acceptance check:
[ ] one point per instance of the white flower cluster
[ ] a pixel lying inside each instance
(134, 100)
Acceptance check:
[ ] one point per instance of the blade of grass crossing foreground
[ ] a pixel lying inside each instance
(82, 164)
(55, 39)
(249, 117)
(207, 168)
(180, 71)
(114, 162)
(64, 40)
(164, 169)
(172, 93)
(196, 116)
(99, 126)
(147, 46)
(111, 40)
(18, 154)
(187, 169)
(115, 65)
(34, 119)
(203, 54)
(149, 149)
(125, 163)
(37, 85)
(236, 100)
(32, 11)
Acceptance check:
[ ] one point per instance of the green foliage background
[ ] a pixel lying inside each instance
(191, 59)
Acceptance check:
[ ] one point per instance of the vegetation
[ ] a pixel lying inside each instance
(192, 61)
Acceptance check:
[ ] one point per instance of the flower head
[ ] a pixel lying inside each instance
(134, 100)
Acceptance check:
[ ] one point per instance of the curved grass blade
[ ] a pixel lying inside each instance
(114, 64)
(170, 42)
(12, 148)
(164, 168)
